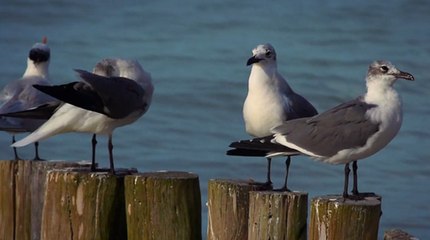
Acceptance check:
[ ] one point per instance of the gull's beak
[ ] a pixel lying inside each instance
(405, 75)
(252, 60)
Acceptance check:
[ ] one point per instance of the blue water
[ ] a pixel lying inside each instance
(196, 52)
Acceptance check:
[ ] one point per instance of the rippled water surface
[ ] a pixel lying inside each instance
(196, 52)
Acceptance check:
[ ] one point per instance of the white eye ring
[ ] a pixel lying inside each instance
(384, 69)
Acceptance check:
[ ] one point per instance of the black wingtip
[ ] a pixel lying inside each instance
(83, 74)
(43, 111)
(246, 153)
(45, 89)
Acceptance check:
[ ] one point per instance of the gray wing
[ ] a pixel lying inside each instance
(44, 111)
(10, 126)
(20, 95)
(300, 107)
(342, 127)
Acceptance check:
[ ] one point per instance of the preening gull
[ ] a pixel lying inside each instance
(117, 93)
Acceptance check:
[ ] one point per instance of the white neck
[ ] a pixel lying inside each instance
(380, 91)
(259, 77)
(388, 101)
(39, 69)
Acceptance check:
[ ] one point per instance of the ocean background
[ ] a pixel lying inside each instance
(196, 52)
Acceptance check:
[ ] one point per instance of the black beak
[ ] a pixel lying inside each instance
(252, 60)
(405, 75)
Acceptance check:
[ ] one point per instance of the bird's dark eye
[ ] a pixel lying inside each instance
(268, 53)
(384, 69)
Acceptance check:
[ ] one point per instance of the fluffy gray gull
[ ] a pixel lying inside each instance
(349, 132)
(20, 95)
(117, 93)
(270, 100)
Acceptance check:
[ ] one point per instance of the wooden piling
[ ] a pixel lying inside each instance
(333, 217)
(277, 215)
(80, 204)
(228, 208)
(21, 196)
(7, 199)
(163, 205)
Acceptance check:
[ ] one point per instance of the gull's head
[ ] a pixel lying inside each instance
(386, 73)
(40, 52)
(107, 68)
(117, 67)
(126, 68)
(264, 53)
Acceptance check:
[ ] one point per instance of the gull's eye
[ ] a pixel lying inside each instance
(268, 53)
(384, 69)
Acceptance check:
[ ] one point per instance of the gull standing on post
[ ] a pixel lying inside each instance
(270, 100)
(346, 133)
(20, 95)
(118, 93)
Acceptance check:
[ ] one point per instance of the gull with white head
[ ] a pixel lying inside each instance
(347, 133)
(270, 100)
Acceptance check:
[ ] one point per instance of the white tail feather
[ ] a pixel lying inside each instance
(34, 137)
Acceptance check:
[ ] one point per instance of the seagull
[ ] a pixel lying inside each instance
(117, 93)
(349, 132)
(270, 100)
(20, 95)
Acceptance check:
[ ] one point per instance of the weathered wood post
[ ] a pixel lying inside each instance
(21, 196)
(333, 217)
(228, 208)
(7, 199)
(277, 215)
(163, 205)
(80, 204)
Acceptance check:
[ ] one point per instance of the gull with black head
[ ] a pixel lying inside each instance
(20, 95)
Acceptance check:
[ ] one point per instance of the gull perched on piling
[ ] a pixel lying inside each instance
(117, 93)
(20, 95)
(346, 133)
(270, 100)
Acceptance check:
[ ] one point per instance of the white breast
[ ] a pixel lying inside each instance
(264, 107)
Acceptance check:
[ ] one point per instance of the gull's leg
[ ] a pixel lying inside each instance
(110, 147)
(287, 170)
(36, 149)
(93, 154)
(14, 148)
(345, 186)
(355, 184)
(269, 166)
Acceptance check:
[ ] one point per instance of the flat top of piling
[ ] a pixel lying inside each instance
(167, 174)
(275, 192)
(238, 181)
(363, 199)
(98, 171)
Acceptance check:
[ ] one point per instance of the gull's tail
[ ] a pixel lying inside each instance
(51, 127)
(32, 138)
(260, 147)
